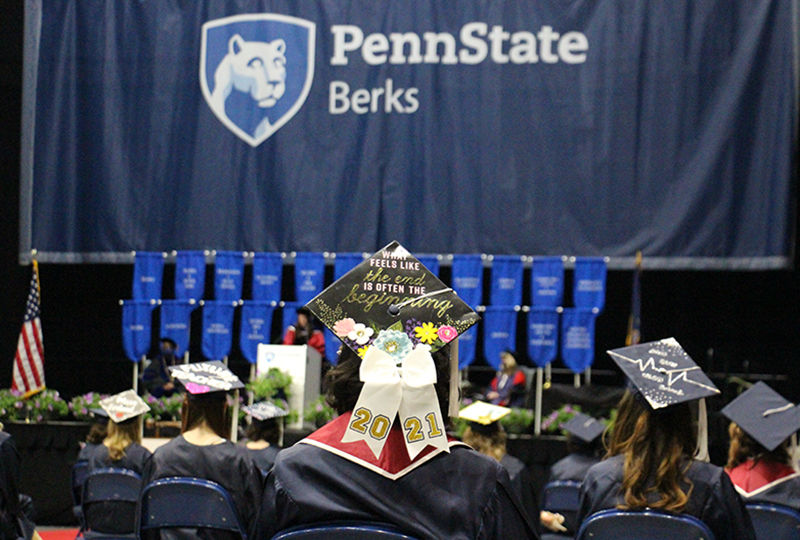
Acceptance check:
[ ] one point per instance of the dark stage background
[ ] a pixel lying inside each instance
(731, 322)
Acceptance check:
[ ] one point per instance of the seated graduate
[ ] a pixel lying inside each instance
(156, 377)
(654, 459)
(486, 435)
(122, 446)
(759, 461)
(584, 444)
(387, 457)
(508, 386)
(264, 433)
(303, 332)
(203, 449)
(16, 509)
(97, 432)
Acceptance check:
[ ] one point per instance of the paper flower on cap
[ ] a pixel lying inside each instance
(360, 334)
(344, 327)
(394, 343)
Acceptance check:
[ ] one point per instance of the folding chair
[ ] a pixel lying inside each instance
(79, 472)
(108, 503)
(187, 503)
(642, 525)
(773, 521)
(563, 497)
(343, 531)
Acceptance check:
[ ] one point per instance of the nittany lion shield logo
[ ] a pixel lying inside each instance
(256, 71)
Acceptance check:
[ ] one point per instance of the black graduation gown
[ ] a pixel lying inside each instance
(784, 491)
(86, 451)
(13, 520)
(713, 499)
(572, 467)
(522, 485)
(134, 459)
(226, 464)
(456, 495)
(264, 458)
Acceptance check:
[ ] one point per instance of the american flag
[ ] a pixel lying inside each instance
(28, 374)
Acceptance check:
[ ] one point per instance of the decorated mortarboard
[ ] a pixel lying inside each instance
(206, 377)
(123, 406)
(98, 413)
(764, 415)
(663, 373)
(584, 427)
(265, 410)
(483, 413)
(392, 302)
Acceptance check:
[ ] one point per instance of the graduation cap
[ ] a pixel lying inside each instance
(764, 415)
(123, 406)
(584, 427)
(663, 373)
(203, 378)
(265, 410)
(391, 301)
(483, 417)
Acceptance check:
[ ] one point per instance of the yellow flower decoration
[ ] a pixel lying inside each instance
(362, 350)
(427, 333)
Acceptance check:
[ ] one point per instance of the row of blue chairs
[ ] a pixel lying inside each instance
(770, 521)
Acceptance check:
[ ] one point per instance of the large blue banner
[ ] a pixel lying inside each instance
(431, 262)
(148, 272)
(589, 283)
(467, 278)
(176, 322)
(217, 328)
(255, 328)
(467, 343)
(577, 338)
(589, 127)
(228, 275)
(499, 333)
(136, 327)
(343, 263)
(267, 276)
(190, 275)
(542, 335)
(547, 282)
(309, 273)
(506, 289)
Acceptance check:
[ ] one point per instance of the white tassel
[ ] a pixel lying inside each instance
(455, 381)
(793, 452)
(701, 452)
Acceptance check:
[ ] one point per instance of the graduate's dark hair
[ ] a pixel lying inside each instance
(658, 446)
(576, 445)
(744, 447)
(97, 433)
(490, 443)
(343, 383)
(211, 407)
(264, 430)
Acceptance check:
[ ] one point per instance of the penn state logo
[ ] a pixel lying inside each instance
(256, 71)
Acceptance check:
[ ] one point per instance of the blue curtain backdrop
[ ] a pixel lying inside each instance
(136, 328)
(176, 322)
(190, 275)
(267, 276)
(506, 274)
(499, 333)
(148, 272)
(228, 275)
(256, 323)
(467, 278)
(217, 328)
(589, 127)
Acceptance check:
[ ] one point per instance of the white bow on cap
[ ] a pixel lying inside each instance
(407, 392)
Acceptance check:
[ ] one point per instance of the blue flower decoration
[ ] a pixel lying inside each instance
(394, 343)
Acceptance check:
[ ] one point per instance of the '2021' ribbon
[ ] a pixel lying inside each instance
(408, 392)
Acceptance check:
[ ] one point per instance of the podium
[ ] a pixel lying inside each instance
(303, 364)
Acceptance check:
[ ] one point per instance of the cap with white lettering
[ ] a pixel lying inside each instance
(123, 406)
(663, 373)
(265, 410)
(764, 415)
(205, 377)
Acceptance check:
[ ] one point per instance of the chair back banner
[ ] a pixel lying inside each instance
(499, 333)
(577, 338)
(542, 335)
(217, 328)
(467, 280)
(344, 262)
(309, 273)
(547, 282)
(506, 280)
(467, 344)
(228, 275)
(256, 325)
(267, 277)
(176, 322)
(589, 283)
(148, 272)
(190, 275)
(136, 328)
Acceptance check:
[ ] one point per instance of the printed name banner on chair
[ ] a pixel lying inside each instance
(256, 325)
(190, 275)
(542, 335)
(136, 328)
(589, 283)
(267, 276)
(176, 322)
(506, 280)
(577, 338)
(148, 271)
(344, 262)
(228, 275)
(467, 344)
(467, 279)
(499, 333)
(309, 273)
(547, 282)
(217, 328)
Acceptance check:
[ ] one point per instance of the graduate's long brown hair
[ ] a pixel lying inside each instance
(211, 407)
(658, 446)
(121, 435)
(744, 447)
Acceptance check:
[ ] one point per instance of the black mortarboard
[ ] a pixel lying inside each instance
(663, 373)
(123, 406)
(264, 410)
(584, 427)
(764, 415)
(206, 377)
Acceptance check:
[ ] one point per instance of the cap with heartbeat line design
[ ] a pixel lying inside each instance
(663, 373)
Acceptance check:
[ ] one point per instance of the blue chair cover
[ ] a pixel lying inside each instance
(642, 525)
(181, 502)
(773, 521)
(342, 531)
(80, 470)
(563, 497)
(108, 503)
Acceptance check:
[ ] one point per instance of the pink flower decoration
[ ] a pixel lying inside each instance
(447, 333)
(344, 327)
(195, 388)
